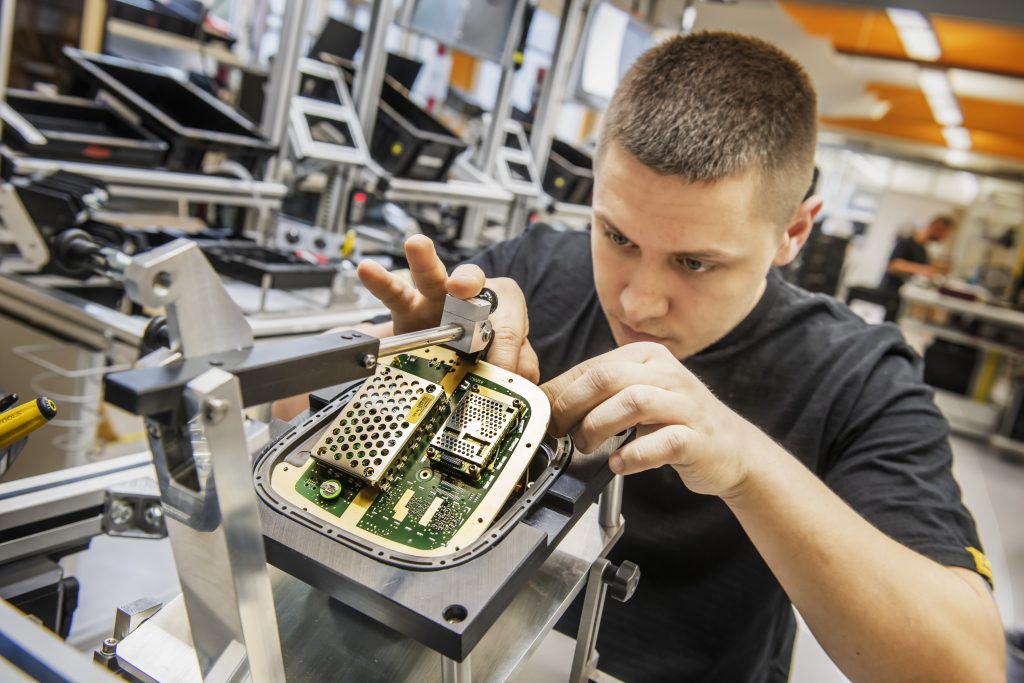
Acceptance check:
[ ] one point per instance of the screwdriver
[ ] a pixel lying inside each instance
(17, 423)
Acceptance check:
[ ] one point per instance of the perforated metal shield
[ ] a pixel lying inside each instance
(370, 432)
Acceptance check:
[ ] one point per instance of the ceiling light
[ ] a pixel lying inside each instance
(916, 34)
(937, 90)
(957, 137)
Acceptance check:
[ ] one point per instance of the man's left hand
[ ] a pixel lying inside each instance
(680, 421)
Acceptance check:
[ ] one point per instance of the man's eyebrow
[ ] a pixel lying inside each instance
(700, 254)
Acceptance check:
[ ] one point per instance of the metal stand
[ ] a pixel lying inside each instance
(603, 575)
(455, 672)
(484, 158)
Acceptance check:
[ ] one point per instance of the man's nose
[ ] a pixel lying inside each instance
(644, 296)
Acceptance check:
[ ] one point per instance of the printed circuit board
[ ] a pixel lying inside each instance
(424, 455)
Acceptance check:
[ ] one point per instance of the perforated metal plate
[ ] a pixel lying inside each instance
(476, 426)
(376, 425)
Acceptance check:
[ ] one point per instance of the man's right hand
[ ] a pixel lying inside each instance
(418, 308)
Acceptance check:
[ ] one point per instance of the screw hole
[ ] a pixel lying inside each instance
(454, 614)
(162, 282)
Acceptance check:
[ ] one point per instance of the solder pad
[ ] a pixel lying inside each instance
(420, 506)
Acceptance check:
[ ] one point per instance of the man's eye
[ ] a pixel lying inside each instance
(616, 239)
(696, 265)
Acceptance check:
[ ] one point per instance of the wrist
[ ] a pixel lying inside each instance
(762, 461)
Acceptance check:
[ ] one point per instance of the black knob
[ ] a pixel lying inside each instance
(320, 243)
(292, 236)
(622, 580)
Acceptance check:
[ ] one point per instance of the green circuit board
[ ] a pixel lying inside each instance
(443, 471)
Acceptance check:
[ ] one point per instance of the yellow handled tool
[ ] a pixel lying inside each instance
(17, 423)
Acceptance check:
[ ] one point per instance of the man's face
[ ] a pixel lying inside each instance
(939, 230)
(676, 263)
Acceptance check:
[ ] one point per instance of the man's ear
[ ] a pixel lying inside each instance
(798, 231)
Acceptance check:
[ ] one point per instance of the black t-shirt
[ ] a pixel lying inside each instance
(845, 398)
(907, 249)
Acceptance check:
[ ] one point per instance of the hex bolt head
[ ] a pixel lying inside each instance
(214, 410)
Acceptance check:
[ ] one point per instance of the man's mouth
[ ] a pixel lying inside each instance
(634, 335)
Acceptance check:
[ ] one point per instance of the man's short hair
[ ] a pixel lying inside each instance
(714, 104)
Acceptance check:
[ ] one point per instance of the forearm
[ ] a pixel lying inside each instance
(904, 267)
(881, 610)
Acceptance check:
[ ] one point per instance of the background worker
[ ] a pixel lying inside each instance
(910, 257)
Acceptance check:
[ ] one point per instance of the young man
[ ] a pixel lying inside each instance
(909, 256)
(787, 453)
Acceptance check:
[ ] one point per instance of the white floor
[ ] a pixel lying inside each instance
(117, 571)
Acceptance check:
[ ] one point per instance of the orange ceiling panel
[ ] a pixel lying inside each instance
(850, 29)
(995, 127)
(1005, 118)
(965, 44)
(981, 46)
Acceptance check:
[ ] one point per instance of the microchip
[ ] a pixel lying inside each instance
(370, 432)
(474, 429)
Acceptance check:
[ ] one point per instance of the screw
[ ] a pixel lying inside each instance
(329, 488)
(214, 410)
(152, 430)
(109, 646)
(120, 512)
(368, 360)
(486, 336)
(153, 514)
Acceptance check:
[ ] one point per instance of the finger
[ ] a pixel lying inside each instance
(392, 291)
(529, 364)
(428, 273)
(666, 446)
(506, 345)
(639, 404)
(466, 281)
(640, 353)
(599, 383)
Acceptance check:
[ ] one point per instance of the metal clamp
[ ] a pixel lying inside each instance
(472, 316)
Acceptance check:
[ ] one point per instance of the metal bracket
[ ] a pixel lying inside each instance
(229, 603)
(201, 318)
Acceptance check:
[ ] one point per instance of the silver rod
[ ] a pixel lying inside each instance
(6, 39)
(610, 503)
(370, 76)
(488, 152)
(455, 672)
(417, 340)
(553, 89)
(284, 75)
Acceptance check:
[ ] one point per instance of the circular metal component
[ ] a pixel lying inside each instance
(369, 360)
(121, 512)
(153, 514)
(109, 646)
(330, 489)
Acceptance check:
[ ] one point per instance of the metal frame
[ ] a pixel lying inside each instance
(124, 181)
(302, 139)
(508, 155)
(60, 499)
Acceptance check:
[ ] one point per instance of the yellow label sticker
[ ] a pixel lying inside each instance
(981, 563)
(416, 412)
(397, 148)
